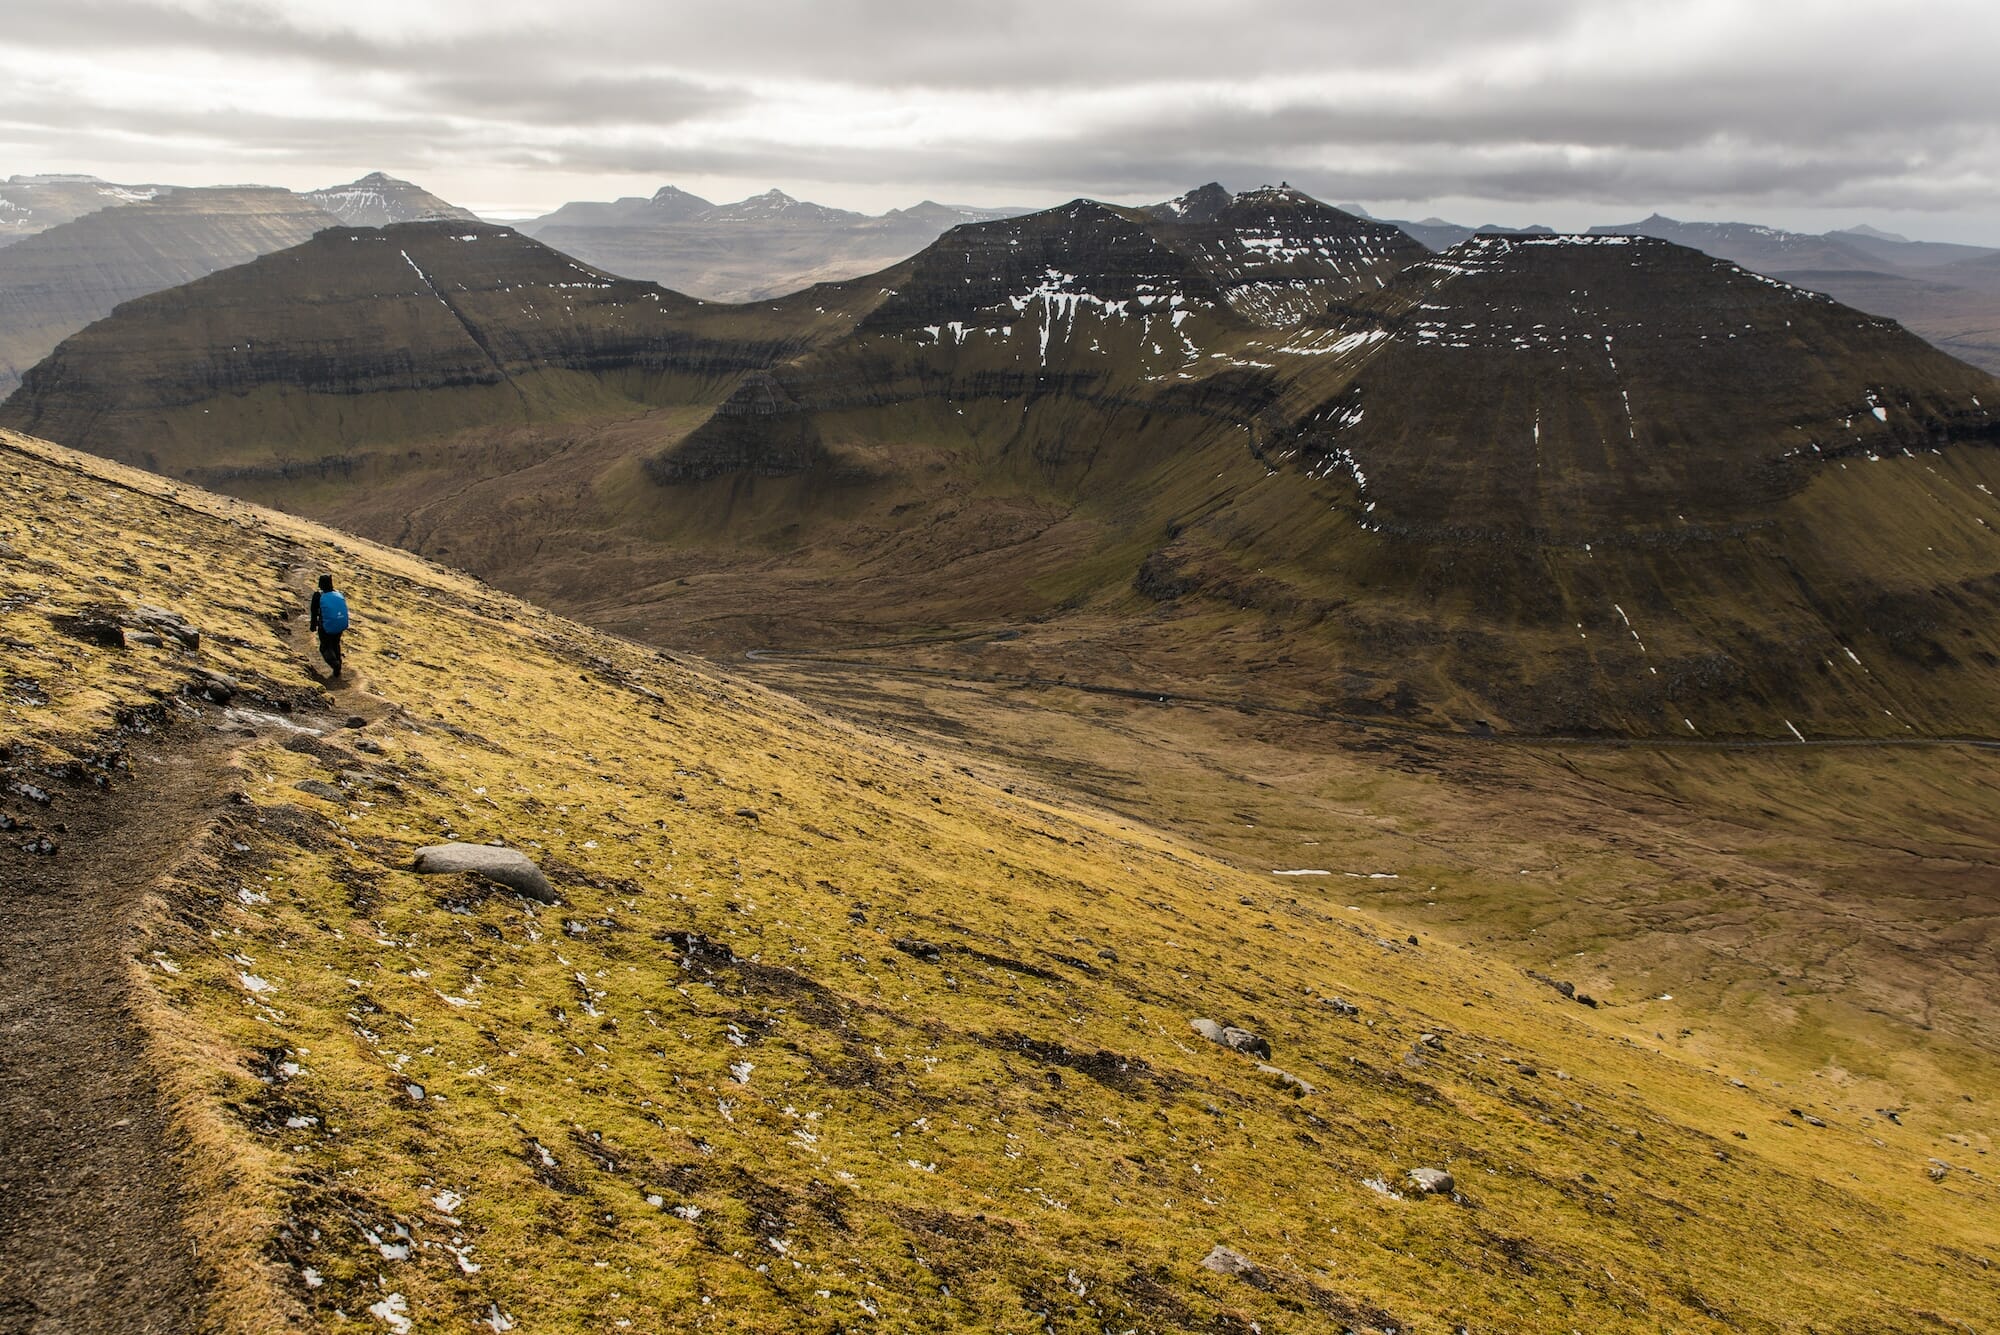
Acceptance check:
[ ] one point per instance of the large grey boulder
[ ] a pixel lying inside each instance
(505, 866)
(1228, 1261)
(1229, 1036)
(1432, 1181)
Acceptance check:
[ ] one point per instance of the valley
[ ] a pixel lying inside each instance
(1545, 694)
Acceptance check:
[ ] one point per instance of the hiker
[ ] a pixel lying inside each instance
(329, 618)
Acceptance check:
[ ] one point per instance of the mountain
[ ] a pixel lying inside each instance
(819, 1032)
(1279, 255)
(754, 249)
(668, 204)
(59, 280)
(378, 199)
(1767, 250)
(777, 207)
(391, 334)
(1900, 252)
(1545, 484)
(32, 204)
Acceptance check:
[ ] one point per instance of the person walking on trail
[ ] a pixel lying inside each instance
(329, 621)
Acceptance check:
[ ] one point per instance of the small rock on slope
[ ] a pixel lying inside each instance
(1228, 1261)
(1432, 1181)
(505, 866)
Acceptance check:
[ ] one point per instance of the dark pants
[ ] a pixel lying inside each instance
(329, 649)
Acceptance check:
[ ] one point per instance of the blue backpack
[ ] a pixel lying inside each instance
(332, 612)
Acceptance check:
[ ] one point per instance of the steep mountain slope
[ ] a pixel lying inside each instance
(32, 204)
(825, 1034)
(757, 248)
(1933, 289)
(1459, 490)
(59, 280)
(1537, 484)
(1279, 255)
(366, 337)
(379, 199)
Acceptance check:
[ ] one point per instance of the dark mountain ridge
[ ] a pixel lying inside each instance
(1554, 483)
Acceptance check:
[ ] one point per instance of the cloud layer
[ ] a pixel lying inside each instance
(1609, 106)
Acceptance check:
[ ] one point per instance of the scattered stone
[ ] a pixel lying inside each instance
(332, 792)
(1300, 1088)
(370, 745)
(1431, 1041)
(1431, 1181)
(1340, 1007)
(355, 721)
(922, 950)
(145, 637)
(1937, 1172)
(1229, 1036)
(36, 795)
(42, 847)
(219, 687)
(747, 812)
(1108, 954)
(169, 624)
(505, 866)
(1228, 1261)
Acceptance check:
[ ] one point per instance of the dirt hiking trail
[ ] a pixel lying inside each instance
(94, 1236)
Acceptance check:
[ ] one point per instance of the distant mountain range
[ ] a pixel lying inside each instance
(756, 248)
(1598, 483)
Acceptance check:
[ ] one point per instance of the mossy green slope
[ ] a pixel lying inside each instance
(829, 1036)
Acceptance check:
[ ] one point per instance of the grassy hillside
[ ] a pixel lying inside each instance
(829, 1035)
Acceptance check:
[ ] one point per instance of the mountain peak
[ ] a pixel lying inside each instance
(1863, 229)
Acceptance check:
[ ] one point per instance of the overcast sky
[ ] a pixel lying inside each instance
(1804, 113)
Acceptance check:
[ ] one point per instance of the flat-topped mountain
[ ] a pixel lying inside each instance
(401, 332)
(1581, 388)
(59, 280)
(764, 246)
(1546, 483)
(379, 199)
(32, 204)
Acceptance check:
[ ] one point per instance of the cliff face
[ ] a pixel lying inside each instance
(57, 281)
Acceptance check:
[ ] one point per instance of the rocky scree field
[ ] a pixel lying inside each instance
(824, 1034)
